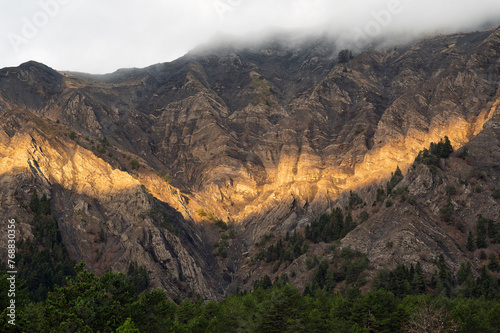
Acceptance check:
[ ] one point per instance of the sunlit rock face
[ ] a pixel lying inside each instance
(103, 212)
(267, 136)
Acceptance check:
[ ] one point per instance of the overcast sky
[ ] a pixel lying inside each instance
(101, 36)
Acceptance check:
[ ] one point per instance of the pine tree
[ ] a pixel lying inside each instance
(34, 202)
(396, 177)
(493, 265)
(418, 282)
(446, 149)
(492, 230)
(349, 225)
(127, 327)
(398, 172)
(471, 245)
(481, 232)
(481, 240)
(486, 285)
(44, 205)
(345, 56)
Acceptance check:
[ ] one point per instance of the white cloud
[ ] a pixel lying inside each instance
(102, 36)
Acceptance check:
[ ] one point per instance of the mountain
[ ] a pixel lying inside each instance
(265, 137)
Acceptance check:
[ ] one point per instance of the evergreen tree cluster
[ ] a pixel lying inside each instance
(396, 177)
(354, 199)
(484, 286)
(330, 227)
(403, 281)
(345, 56)
(347, 265)
(380, 196)
(283, 250)
(485, 228)
(436, 151)
(44, 260)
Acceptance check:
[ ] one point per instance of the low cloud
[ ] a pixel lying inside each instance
(102, 36)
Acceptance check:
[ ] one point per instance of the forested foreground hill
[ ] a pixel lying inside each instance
(110, 303)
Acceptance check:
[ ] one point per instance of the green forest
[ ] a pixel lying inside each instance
(114, 303)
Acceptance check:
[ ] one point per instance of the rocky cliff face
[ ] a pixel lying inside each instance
(106, 218)
(265, 136)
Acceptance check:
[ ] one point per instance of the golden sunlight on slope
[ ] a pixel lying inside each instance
(378, 163)
(165, 192)
(313, 184)
(301, 177)
(53, 159)
(63, 162)
(12, 159)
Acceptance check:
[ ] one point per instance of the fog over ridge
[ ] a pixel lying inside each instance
(96, 37)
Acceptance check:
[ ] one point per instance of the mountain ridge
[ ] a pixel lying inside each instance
(266, 139)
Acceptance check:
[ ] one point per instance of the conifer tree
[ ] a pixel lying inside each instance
(471, 245)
